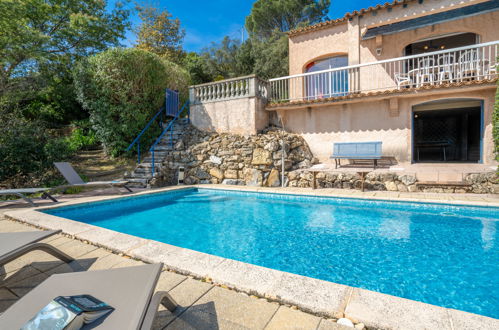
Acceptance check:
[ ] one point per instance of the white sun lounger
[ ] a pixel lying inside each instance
(75, 180)
(22, 193)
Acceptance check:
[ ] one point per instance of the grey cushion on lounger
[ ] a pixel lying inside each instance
(14, 245)
(129, 290)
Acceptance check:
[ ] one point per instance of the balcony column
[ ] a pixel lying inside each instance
(354, 52)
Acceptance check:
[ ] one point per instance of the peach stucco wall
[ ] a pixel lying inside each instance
(345, 38)
(244, 116)
(369, 119)
(373, 121)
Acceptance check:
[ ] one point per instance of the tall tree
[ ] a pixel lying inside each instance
(160, 33)
(270, 55)
(284, 15)
(41, 39)
(227, 59)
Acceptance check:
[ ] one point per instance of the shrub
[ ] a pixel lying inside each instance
(122, 89)
(82, 136)
(27, 150)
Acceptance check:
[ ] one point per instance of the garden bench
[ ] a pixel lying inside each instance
(357, 150)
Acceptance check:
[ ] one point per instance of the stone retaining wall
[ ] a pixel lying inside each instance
(234, 159)
(480, 183)
(256, 160)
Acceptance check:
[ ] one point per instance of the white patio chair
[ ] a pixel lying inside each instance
(492, 71)
(402, 79)
(468, 65)
(425, 73)
(446, 68)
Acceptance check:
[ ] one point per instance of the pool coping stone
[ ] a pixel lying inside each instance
(324, 298)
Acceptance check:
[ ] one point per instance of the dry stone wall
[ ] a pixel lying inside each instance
(256, 160)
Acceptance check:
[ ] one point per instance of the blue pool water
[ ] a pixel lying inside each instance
(439, 254)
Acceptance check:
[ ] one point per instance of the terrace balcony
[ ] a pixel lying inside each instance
(454, 67)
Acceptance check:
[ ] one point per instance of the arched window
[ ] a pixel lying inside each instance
(330, 83)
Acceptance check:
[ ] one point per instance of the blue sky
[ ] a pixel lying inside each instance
(207, 21)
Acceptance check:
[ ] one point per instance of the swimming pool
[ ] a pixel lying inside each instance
(440, 254)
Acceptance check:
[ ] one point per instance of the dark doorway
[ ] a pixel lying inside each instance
(447, 135)
(441, 43)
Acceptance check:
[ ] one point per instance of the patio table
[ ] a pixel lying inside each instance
(436, 69)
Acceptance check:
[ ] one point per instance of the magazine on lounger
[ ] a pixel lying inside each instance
(68, 313)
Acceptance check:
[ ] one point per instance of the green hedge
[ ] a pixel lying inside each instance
(27, 151)
(122, 89)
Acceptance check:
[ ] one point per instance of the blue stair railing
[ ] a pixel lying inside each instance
(170, 109)
(169, 128)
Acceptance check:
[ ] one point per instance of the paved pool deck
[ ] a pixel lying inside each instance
(201, 282)
(203, 305)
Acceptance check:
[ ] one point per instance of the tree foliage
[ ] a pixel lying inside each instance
(197, 68)
(26, 150)
(265, 53)
(39, 42)
(160, 33)
(284, 15)
(271, 56)
(226, 59)
(122, 89)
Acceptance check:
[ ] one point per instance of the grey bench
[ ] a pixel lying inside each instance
(357, 150)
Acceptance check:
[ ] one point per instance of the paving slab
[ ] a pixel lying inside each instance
(290, 319)
(60, 240)
(196, 320)
(7, 298)
(331, 325)
(37, 218)
(40, 260)
(249, 278)
(185, 294)
(127, 262)
(389, 312)
(8, 226)
(322, 297)
(18, 275)
(98, 259)
(236, 307)
(20, 288)
(467, 321)
(168, 280)
(76, 249)
(111, 239)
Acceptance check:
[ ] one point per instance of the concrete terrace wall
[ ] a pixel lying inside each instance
(234, 106)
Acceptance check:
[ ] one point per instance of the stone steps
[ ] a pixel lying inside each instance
(141, 176)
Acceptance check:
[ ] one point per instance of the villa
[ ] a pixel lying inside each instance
(419, 76)
(236, 236)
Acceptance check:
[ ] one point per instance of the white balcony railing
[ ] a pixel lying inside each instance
(229, 89)
(470, 63)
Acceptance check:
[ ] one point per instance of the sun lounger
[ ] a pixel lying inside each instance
(14, 245)
(75, 180)
(22, 193)
(129, 290)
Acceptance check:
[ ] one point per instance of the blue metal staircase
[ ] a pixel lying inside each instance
(172, 129)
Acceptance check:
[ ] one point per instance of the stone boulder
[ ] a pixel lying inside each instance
(252, 177)
(273, 180)
(217, 173)
(261, 157)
